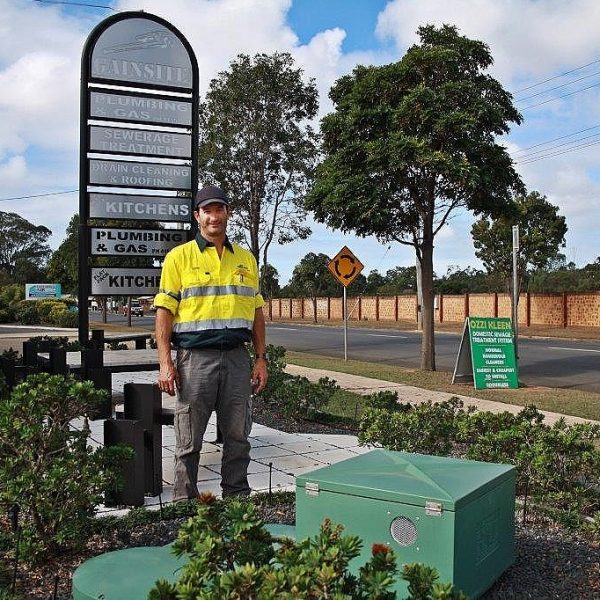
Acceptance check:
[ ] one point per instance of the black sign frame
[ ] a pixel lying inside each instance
(91, 84)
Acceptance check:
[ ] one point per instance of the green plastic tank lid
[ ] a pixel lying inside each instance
(125, 574)
(281, 530)
(409, 478)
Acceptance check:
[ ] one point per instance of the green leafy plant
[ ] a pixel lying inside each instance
(116, 346)
(429, 428)
(557, 466)
(386, 400)
(26, 312)
(276, 369)
(302, 399)
(48, 309)
(423, 585)
(57, 342)
(232, 557)
(10, 296)
(297, 396)
(66, 318)
(46, 467)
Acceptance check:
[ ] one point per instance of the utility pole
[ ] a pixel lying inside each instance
(515, 296)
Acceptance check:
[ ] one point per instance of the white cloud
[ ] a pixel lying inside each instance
(528, 38)
(13, 171)
(40, 50)
(220, 30)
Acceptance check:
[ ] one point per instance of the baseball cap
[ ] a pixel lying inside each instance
(210, 194)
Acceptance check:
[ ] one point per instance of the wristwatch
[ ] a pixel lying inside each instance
(257, 356)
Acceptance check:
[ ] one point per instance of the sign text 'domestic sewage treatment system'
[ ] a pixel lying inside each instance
(138, 154)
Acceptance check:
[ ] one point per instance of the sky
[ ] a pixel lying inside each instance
(547, 54)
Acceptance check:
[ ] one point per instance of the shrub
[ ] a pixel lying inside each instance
(386, 400)
(48, 307)
(46, 468)
(56, 342)
(66, 318)
(302, 399)
(429, 428)
(26, 312)
(232, 556)
(10, 296)
(557, 466)
(116, 346)
(297, 396)
(277, 375)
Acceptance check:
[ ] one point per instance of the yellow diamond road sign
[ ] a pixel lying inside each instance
(345, 266)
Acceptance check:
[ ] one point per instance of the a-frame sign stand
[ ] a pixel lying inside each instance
(486, 356)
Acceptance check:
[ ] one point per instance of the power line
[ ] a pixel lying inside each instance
(38, 195)
(559, 153)
(556, 87)
(557, 76)
(589, 87)
(76, 4)
(562, 137)
(552, 148)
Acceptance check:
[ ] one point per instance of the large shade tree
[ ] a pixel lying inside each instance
(23, 249)
(410, 143)
(256, 142)
(541, 236)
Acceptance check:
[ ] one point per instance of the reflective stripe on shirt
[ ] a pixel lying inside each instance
(203, 325)
(218, 290)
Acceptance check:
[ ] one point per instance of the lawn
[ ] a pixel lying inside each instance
(565, 401)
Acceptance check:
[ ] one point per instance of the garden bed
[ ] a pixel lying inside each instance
(551, 562)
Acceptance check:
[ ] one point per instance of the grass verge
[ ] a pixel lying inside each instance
(565, 401)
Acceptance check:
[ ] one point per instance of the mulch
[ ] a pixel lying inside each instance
(551, 563)
(37, 582)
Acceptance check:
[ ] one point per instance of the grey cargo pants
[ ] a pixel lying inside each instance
(212, 380)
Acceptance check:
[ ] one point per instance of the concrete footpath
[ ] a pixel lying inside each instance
(278, 457)
(414, 395)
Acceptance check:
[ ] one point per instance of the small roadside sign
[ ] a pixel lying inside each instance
(486, 355)
(345, 267)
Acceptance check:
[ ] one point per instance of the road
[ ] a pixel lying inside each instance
(545, 362)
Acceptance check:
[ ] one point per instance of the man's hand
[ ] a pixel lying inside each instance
(168, 378)
(259, 375)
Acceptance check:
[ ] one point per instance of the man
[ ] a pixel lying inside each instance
(209, 306)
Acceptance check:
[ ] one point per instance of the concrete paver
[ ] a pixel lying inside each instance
(277, 457)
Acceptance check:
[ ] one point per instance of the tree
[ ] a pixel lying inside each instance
(269, 277)
(256, 142)
(312, 278)
(462, 281)
(375, 280)
(541, 235)
(411, 142)
(400, 280)
(23, 248)
(62, 266)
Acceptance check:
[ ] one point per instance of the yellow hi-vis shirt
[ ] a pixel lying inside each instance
(213, 300)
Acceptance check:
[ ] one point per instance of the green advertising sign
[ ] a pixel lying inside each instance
(487, 354)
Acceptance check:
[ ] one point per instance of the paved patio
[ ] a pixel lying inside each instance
(276, 456)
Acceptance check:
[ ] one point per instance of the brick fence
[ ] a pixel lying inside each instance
(553, 310)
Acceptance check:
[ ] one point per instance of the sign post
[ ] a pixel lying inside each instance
(486, 356)
(138, 153)
(345, 267)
